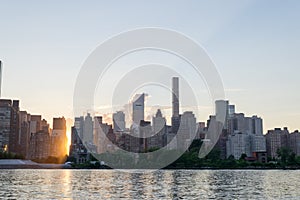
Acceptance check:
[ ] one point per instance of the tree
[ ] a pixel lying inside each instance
(284, 154)
(243, 156)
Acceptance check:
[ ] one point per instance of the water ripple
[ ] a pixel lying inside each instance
(163, 184)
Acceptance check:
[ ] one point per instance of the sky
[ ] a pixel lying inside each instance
(255, 46)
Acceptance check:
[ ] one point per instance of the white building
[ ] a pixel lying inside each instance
(245, 136)
(238, 144)
(258, 143)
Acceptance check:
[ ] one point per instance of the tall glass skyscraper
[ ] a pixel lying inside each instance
(138, 108)
(0, 76)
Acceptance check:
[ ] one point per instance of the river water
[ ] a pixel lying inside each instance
(162, 184)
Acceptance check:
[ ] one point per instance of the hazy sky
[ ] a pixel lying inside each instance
(254, 44)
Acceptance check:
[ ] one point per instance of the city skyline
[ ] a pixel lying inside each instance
(250, 56)
(239, 136)
(139, 100)
(151, 99)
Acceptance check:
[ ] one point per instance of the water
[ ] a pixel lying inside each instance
(164, 184)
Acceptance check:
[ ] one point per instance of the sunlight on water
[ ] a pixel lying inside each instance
(168, 184)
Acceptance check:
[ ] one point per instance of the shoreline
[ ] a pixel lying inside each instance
(28, 164)
(2, 167)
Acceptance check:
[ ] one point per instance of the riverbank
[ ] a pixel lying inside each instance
(28, 164)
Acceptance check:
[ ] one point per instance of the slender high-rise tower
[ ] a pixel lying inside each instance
(138, 108)
(175, 97)
(0, 76)
(175, 104)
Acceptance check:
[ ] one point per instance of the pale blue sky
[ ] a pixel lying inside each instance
(254, 44)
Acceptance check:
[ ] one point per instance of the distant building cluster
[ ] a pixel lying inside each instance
(29, 135)
(92, 135)
(282, 138)
(241, 136)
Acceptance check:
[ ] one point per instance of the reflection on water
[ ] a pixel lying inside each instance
(164, 184)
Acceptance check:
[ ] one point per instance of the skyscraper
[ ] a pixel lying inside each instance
(138, 108)
(175, 97)
(231, 109)
(256, 125)
(59, 138)
(222, 112)
(35, 123)
(14, 137)
(159, 130)
(5, 123)
(187, 130)
(159, 122)
(0, 76)
(175, 104)
(9, 125)
(79, 124)
(88, 129)
(24, 133)
(238, 122)
(119, 121)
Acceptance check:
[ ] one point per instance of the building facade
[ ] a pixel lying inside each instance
(275, 140)
(238, 144)
(138, 108)
(187, 130)
(39, 146)
(25, 133)
(88, 132)
(175, 120)
(294, 142)
(119, 121)
(9, 126)
(59, 138)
